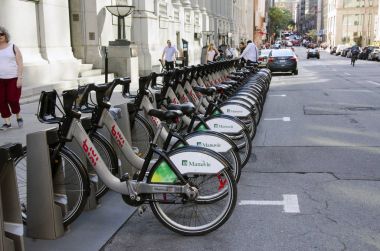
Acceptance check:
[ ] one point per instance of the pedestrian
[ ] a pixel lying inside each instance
(212, 53)
(229, 52)
(250, 53)
(170, 53)
(241, 47)
(11, 78)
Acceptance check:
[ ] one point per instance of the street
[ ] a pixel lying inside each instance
(313, 180)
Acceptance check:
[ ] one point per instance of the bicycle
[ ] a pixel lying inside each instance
(185, 177)
(354, 57)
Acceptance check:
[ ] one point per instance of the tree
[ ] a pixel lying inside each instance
(313, 35)
(279, 19)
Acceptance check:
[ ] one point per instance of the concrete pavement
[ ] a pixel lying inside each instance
(326, 153)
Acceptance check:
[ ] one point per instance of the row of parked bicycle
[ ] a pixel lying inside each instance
(366, 53)
(191, 133)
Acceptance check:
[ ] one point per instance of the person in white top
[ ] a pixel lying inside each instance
(11, 70)
(212, 53)
(170, 53)
(250, 53)
(229, 52)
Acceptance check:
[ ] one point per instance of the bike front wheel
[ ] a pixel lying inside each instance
(216, 200)
(73, 182)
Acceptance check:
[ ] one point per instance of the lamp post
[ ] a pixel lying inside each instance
(120, 11)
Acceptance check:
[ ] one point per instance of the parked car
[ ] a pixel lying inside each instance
(374, 55)
(283, 60)
(313, 53)
(344, 51)
(263, 57)
(366, 51)
(339, 49)
(333, 50)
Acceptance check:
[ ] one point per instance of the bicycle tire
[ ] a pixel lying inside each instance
(242, 140)
(109, 156)
(142, 134)
(228, 197)
(78, 169)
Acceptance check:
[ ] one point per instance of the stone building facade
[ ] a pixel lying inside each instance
(352, 21)
(61, 39)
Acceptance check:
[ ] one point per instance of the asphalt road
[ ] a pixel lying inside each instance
(319, 143)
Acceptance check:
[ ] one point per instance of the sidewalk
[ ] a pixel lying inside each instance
(95, 226)
(31, 123)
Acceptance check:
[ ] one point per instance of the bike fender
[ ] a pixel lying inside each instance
(211, 142)
(235, 110)
(196, 162)
(224, 125)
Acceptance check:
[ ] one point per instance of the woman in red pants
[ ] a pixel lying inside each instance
(11, 69)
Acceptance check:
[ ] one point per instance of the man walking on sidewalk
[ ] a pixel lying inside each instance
(250, 53)
(170, 53)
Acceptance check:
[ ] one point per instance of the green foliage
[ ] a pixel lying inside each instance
(345, 40)
(358, 40)
(313, 35)
(279, 19)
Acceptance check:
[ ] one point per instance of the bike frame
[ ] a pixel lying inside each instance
(129, 187)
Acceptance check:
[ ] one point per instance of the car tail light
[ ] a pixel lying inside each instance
(261, 59)
(293, 59)
(271, 60)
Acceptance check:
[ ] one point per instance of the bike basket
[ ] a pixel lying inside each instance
(46, 108)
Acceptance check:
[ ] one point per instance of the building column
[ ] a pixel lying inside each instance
(145, 31)
(55, 39)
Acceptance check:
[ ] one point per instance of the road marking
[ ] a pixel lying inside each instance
(347, 73)
(373, 82)
(278, 95)
(286, 119)
(290, 203)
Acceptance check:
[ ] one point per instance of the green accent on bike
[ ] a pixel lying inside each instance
(202, 128)
(164, 174)
(216, 112)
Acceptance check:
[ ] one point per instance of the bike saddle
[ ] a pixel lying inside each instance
(238, 73)
(230, 82)
(162, 115)
(186, 108)
(222, 88)
(208, 91)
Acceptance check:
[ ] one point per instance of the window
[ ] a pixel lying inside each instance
(163, 8)
(176, 15)
(187, 17)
